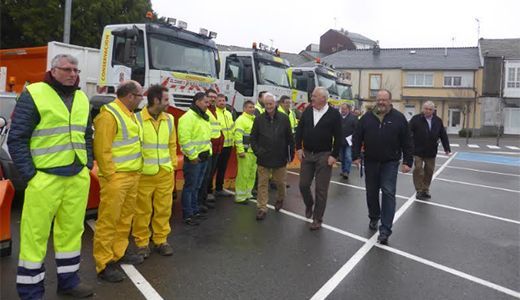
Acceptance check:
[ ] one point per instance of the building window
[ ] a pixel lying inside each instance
(513, 77)
(375, 84)
(419, 79)
(453, 81)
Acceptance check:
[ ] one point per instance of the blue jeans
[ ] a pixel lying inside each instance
(381, 176)
(193, 177)
(346, 158)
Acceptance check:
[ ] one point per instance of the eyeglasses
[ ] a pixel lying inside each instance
(137, 95)
(69, 70)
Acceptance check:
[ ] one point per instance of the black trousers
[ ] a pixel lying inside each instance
(208, 179)
(222, 162)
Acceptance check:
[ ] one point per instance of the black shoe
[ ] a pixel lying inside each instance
(382, 239)
(287, 186)
(200, 216)
(164, 249)
(111, 273)
(79, 291)
(210, 205)
(373, 224)
(344, 175)
(420, 196)
(308, 212)
(191, 222)
(254, 192)
(427, 195)
(131, 259)
(203, 208)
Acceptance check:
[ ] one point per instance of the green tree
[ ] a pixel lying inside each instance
(26, 23)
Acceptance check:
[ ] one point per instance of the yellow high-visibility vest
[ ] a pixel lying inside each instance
(156, 152)
(126, 147)
(226, 124)
(292, 117)
(194, 134)
(60, 136)
(243, 127)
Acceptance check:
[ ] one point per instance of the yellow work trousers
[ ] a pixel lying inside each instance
(116, 209)
(154, 204)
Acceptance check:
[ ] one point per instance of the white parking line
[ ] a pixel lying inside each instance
(479, 185)
(333, 282)
(473, 146)
(468, 211)
(139, 281)
(493, 147)
(513, 147)
(454, 145)
(483, 171)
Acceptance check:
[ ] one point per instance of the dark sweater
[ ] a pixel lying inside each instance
(426, 140)
(325, 136)
(383, 141)
(272, 140)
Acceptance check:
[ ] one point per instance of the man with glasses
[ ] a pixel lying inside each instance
(51, 145)
(117, 149)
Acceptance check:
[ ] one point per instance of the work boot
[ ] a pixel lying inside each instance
(191, 222)
(203, 208)
(420, 196)
(260, 215)
(344, 175)
(131, 259)
(143, 251)
(278, 205)
(382, 238)
(81, 290)
(211, 198)
(111, 273)
(427, 195)
(223, 193)
(164, 249)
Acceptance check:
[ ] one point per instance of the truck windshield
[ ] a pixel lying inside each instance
(344, 91)
(328, 82)
(174, 55)
(272, 73)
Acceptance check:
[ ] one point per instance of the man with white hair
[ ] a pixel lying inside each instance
(273, 144)
(426, 129)
(319, 132)
(51, 145)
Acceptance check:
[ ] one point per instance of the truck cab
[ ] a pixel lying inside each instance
(243, 74)
(183, 61)
(305, 79)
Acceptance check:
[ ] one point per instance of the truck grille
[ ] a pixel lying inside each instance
(181, 100)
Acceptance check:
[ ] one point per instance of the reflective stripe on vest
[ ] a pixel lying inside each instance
(59, 137)
(194, 134)
(156, 152)
(227, 125)
(126, 147)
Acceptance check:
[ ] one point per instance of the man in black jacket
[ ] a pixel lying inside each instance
(348, 125)
(426, 129)
(273, 144)
(318, 140)
(385, 136)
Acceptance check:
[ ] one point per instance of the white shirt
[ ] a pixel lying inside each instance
(429, 120)
(317, 114)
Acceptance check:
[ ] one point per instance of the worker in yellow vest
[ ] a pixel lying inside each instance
(50, 143)
(195, 133)
(246, 159)
(154, 196)
(117, 149)
(284, 106)
(227, 126)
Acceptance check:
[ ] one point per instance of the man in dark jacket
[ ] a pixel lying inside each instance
(273, 144)
(426, 129)
(318, 140)
(51, 145)
(385, 135)
(348, 125)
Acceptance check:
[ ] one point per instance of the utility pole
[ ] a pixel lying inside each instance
(66, 23)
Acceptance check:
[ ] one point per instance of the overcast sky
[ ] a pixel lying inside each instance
(292, 25)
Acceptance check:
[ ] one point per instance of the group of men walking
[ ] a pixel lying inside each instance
(53, 146)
